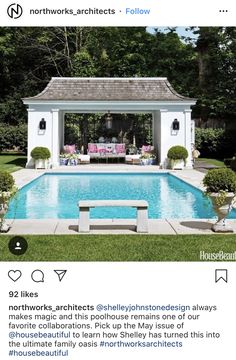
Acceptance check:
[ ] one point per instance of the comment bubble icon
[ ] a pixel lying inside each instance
(37, 276)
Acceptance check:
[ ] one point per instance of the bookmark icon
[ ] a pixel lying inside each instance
(221, 274)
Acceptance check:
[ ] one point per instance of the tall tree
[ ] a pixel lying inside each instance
(216, 50)
(175, 59)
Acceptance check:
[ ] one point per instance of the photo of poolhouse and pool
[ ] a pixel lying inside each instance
(109, 186)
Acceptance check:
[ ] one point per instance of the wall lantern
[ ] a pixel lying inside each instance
(108, 119)
(175, 124)
(42, 124)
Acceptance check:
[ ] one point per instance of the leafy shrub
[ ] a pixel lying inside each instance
(21, 135)
(177, 153)
(217, 180)
(40, 153)
(6, 181)
(210, 142)
(13, 137)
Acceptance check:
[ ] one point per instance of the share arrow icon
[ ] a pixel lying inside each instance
(60, 274)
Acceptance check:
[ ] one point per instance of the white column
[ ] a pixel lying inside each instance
(163, 137)
(55, 138)
(37, 137)
(30, 137)
(157, 133)
(153, 129)
(63, 130)
(188, 136)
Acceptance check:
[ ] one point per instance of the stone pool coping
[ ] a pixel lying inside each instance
(191, 176)
(112, 226)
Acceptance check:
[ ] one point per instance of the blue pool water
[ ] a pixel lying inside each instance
(57, 195)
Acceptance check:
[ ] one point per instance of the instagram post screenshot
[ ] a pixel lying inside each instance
(117, 179)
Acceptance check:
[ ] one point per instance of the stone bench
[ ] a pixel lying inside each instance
(140, 205)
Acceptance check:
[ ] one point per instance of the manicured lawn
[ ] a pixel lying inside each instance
(12, 161)
(212, 161)
(118, 247)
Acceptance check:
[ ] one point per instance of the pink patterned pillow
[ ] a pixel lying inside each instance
(69, 149)
(146, 148)
(120, 148)
(109, 149)
(92, 148)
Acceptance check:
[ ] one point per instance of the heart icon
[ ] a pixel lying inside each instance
(14, 275)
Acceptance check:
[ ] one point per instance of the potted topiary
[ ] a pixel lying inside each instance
(40, 155)
(73, 159)
(177, 156)
(7, 191)
(221, 188)
(148, 158)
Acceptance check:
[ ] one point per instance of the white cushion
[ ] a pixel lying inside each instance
(84, 157)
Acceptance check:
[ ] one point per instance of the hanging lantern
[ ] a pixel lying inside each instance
(175, 124)
(108, 119)
(42, 124)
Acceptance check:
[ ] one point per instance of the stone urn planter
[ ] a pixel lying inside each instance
(4, 199)
(177, 164)
(221, 189)
(222, 208)
(41, 164)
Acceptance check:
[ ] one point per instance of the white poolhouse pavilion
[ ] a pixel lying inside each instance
(171, 112)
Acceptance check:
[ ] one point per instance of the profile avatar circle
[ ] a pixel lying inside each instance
(14, 11)
(17, 245)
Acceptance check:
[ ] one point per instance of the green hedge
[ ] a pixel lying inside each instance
(215, 143)
(12, 137)
(210, 142)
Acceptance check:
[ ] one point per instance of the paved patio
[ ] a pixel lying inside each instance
(112, 226)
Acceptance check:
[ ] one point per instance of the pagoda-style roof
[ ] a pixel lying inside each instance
(108, 89)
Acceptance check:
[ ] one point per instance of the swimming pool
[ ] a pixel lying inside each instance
(56, 195)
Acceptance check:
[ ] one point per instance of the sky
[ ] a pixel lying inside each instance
(181, 31)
